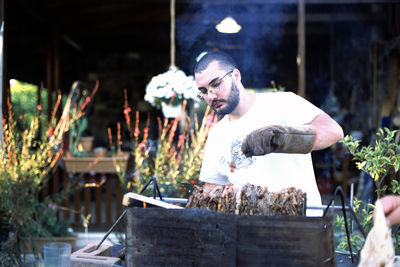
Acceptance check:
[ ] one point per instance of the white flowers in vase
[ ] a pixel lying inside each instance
(171, 87)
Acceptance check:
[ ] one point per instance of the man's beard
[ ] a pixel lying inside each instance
(232, 101)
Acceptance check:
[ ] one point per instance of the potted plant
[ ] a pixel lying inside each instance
(50, 228)
(27, 159)
(83, 94)
(168, 91)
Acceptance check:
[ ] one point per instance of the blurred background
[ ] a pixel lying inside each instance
(342, 55)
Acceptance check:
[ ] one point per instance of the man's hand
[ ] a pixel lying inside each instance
(391, 209)
(279, 139)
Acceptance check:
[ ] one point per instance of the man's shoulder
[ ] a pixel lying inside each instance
(276, 98)
(275, 94)
(219, 126)
(272, 98)
(221, 123)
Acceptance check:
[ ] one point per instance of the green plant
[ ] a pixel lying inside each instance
(364, 215)
(27, 159)
(77, 129)
(174, 158)
(79, 125)
(377, 160)
(47, 218)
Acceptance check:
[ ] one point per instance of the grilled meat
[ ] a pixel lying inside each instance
(249, 200)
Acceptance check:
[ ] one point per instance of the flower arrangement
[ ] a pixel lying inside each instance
(27, 159)
(171, 87)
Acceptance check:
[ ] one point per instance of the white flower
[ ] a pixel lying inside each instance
(173, 83)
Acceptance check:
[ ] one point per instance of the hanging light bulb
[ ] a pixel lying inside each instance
(228, 25)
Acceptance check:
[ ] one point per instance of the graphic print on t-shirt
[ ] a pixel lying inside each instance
(238, 159)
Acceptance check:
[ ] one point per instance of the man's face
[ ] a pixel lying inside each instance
(218, 89)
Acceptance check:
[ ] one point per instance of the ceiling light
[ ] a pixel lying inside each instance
(228, 25)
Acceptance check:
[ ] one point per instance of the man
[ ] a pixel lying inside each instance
(263, 139)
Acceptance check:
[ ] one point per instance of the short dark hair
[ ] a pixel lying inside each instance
(225, 61)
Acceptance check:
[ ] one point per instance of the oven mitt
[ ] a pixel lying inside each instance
(280, 139)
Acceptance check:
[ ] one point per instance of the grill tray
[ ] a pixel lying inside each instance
(194, 237)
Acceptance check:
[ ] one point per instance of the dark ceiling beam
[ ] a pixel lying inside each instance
(71, 14)
(263, 2)
(142, 24)
(341, 2)
(80, 3)
(150, 17)
(136, 44)
(292, 18)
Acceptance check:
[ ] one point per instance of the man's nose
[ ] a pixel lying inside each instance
(211, 95)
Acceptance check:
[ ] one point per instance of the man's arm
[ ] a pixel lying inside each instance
(320, 133)
(328, 131)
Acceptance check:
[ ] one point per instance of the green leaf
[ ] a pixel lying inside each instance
(360, 165)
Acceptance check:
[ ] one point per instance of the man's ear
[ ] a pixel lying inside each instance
(236, 75)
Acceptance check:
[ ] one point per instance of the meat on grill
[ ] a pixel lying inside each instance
(249, 200)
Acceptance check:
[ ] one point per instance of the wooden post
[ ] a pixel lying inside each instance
(375, 91)
(301, 49)
(98, 201)
(77, 205)
(393, 85)
(118, 197)
(87, 196)
(56, 182)
(5, 90)
(108, 198)
(67, 186)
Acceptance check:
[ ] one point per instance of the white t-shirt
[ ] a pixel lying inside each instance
(276, 170)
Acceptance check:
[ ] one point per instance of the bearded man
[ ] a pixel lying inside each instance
(263, 139)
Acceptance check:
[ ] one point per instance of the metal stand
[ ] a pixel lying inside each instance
(156, 191)
(339, 191)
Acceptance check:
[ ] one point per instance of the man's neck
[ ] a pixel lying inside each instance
(246, 102)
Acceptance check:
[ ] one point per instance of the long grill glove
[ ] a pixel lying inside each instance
(280, 139)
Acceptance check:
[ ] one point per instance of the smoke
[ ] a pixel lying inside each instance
(261, 34)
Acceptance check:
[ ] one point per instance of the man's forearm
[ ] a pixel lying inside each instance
(328, 131)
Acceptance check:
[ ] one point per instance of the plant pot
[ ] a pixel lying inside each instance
(170, 111)
(96, 164)
(40, 241)
(86, 142)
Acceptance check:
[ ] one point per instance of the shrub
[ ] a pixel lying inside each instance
(26, 160)
(174, 159)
